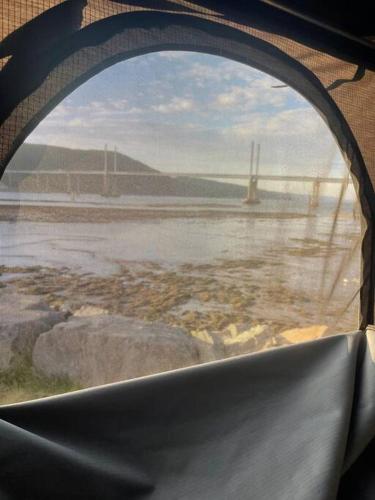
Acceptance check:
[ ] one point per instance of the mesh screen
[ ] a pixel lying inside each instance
(224, 218)
(178, 208)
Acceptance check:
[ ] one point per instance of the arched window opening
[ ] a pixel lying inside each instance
(178, 208)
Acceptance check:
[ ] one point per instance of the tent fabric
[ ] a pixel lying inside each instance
(285, 423)
(290, 423)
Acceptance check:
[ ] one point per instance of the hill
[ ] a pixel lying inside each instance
(46, 158)
(43, 157)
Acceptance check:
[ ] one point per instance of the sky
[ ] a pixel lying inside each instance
(190, 112)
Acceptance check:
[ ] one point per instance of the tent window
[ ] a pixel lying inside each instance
(175, 209)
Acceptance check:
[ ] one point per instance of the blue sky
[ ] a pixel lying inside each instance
(181, 111)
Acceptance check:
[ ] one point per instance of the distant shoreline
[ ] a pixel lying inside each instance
(82, 214)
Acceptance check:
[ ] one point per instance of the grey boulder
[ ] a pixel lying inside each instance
(101, 349)
(22, 319)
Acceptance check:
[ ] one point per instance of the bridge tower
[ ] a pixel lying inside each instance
(315, 196)
(105, 191)
(252, 190)
(115, 159)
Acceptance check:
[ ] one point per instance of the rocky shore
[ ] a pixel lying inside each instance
(65, 327)
(92, 346)
(201, 297)
(87, 329)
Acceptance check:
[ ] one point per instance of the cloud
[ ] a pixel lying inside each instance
(202, 72)
(191, 112)
(236, 86)
(174, 55)
(223, 70)
(77, 122)
(175, 105)
(300, 122)
(245, 97)
(61, 111)
(135, 110)
(120, 104)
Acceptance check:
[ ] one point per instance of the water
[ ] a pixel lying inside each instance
(294, 252)
(97, 247)
(299, 203)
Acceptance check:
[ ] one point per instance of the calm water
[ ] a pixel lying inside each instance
(97, 247)
(299, 205)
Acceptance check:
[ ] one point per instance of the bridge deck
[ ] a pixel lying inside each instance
(285, 178)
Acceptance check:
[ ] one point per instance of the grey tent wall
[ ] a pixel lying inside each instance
(281, 424)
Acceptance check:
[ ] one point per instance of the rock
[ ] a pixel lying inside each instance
(296, 335)
(203, 336)
(209, 345)
(234, 340)
(244, 339)
(22, 319)
(90, 311)
(102, 349)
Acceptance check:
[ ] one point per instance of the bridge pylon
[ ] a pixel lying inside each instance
(252, 189)
(315, 196)
(106, 188)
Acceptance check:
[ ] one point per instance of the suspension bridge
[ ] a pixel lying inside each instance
(106, 180)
